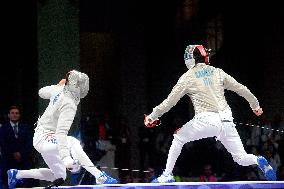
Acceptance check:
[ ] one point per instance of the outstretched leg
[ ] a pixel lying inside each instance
(41, 174)
(78, 153)
(232, 142)
(57, 170)
(199, 127)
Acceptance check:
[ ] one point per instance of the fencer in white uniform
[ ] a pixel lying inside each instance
(51, 140)
(205, 85)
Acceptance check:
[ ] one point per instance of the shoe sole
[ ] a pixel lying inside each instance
(156, 181)
(10, 179)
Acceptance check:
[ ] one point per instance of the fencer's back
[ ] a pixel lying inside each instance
(205, 85)
(206, 88)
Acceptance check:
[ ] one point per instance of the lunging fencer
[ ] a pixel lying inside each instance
(205, 85)
(59, 151)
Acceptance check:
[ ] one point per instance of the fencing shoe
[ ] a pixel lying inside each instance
(12, 180)
(164, 179)
(105, 179)
(267, 170)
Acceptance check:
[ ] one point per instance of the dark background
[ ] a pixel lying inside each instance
(252, 47)
(19, 57)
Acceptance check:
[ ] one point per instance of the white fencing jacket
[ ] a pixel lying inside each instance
(59, 114)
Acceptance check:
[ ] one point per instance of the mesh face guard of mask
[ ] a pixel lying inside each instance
(77, 82)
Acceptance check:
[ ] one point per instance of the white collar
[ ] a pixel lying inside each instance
(14, 124)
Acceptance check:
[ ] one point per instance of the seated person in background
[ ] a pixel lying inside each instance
(207, 175)
(16, 140)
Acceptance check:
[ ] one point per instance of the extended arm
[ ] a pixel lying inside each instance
(231, 84)
(178, 91)
(66, 117)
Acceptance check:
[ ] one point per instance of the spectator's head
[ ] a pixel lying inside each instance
(268, 154)
(254, 150)
(14, 114)
(271, 148)
(126, 179)
(102, 132)
(207, 170)
(149, 174)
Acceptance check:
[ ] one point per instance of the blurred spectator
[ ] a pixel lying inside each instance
(127, 178)
(147, 147)
(149, 175)
(223, 157)
(207, 175)
(251, 173)
(265, 132)
(280, 149)
(105, 128)
(76, 176)
(254, 150)
(1, 183)
(273, 158)
(123, 144)
(17, 148)
(89, 135)
(254, 139)
(232, 173)
(105, 143)
(280, 173)
(107, 122)
(162, 145)
(177, 174)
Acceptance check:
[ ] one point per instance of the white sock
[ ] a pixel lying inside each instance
(41, 174)
(245, 159)
(78, 153)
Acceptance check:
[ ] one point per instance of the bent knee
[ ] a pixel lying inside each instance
(60, 174)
